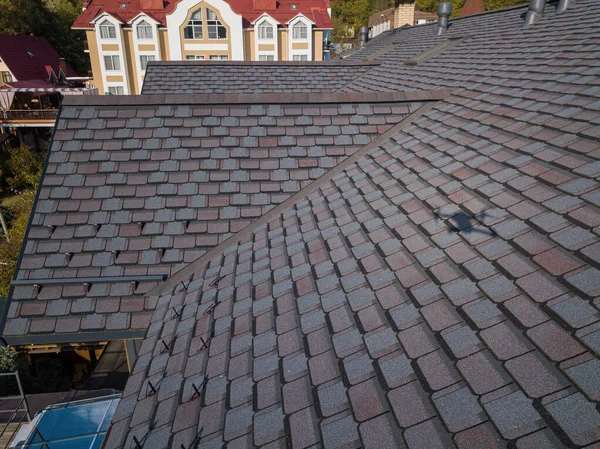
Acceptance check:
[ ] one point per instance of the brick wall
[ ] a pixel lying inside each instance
(404, 14)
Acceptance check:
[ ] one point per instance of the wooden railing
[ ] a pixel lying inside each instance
(29, 114)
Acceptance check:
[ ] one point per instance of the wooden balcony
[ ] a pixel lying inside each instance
(28, 117)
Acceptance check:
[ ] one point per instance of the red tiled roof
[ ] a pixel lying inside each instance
(13, 51)
(30, 84)
(315, 10)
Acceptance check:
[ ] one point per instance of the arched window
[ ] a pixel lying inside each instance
(216, 30)
(299, 31)
(265, 30)
(144, 30)
(107, 30)
(193, 29)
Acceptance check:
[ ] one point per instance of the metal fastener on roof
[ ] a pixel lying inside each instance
(563, 5)
(444, 10)
(535, 12)
(92, 280)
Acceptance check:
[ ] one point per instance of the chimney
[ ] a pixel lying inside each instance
(472, 7)
(563, 5)
(535, 12)
(364, 35)
(444, 10)
(62, 63)
(404, 13)
(152, 4)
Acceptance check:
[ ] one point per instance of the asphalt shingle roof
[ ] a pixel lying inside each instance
(139, 186)
(440, 287)
(206, 77)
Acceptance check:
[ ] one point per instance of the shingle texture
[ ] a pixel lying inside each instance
(146, 188)
(200, 77)
(442, 291)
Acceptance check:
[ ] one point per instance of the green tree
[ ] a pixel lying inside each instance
(17, 211)
(8, 360)
(431, 5)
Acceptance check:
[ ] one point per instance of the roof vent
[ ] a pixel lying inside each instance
(535, 12)
(444, 10)
(364, 35)
(563, 5)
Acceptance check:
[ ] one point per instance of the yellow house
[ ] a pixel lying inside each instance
(124, 36)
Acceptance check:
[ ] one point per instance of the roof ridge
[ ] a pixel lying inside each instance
(271, 98)
(185, 273)
(212, 63)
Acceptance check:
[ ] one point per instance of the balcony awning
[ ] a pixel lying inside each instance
(61, 90)
(6, 99)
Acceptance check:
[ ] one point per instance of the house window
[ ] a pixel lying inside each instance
(299, 31)
(219, 57)
(265, 31)
(107, 30)
(112, 62)
(116, 90)
(194, 57)
(216, 30)
(300, 57)
(7, 77)
(144, 30)
(193, 29)
(144, 59)
(266, 58)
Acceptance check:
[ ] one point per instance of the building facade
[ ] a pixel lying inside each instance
(124, 37)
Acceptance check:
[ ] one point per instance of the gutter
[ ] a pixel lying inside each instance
(4, 316)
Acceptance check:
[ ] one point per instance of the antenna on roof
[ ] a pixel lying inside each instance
(444, 10)
(535, 12)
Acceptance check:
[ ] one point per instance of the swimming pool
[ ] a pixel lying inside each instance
(73, 425)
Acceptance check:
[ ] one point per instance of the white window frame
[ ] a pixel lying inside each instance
(143, 27)
(111, 57)
(149, 57)
(266, 19)
(308, 52)
(193, 26)
(107, 25)
(266, 58)
(300, 25)
(142, 21)
(219, 58)
(178, 18)
(216, 26)
(118, 41)
(194, 57)
(116, 87)
(262, 30)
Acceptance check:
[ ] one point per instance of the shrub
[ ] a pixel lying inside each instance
(20, 169)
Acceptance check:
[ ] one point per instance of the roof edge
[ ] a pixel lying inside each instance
(76, 337)
(277, 98)
(185, 273)
(333, 63)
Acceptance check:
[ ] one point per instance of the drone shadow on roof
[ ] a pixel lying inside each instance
(461, 222)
